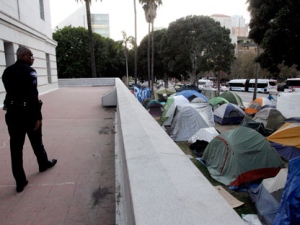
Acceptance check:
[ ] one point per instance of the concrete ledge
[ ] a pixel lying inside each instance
(156, 182)
(86, 82)
(110, 98)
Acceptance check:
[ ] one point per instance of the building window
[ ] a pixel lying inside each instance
(42, 12)
(9, 53)
(48, 68)
(100, 24)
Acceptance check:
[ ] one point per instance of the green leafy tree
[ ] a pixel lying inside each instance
(143, 51)
(196, 44)
(244, 67)
(110, 57)
(73, 55)
(275, 27)
(72, 52)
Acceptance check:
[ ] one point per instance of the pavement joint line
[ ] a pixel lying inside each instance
(49, 184)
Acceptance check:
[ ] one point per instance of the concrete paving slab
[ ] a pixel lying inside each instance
(80, 189)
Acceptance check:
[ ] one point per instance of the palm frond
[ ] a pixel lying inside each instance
(143, 2)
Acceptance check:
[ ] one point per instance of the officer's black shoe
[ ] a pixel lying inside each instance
(20, 187)
(50, 164)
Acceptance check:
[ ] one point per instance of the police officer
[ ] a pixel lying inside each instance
(24, 115)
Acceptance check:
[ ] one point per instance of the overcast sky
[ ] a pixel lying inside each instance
(121, 12)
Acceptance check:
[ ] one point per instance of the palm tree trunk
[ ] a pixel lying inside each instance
(148, 58)
(135, 44)
(152, 60)
(256, 76)
(91, 42)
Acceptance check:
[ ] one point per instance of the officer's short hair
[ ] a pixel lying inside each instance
(21, 51)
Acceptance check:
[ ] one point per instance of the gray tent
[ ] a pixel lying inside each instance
(270, 117)
(186, 122)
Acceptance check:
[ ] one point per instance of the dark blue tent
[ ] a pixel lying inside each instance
(289, 210)
(286, 152)
(229, 114)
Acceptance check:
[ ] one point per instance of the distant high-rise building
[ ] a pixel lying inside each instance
(225, 21)
(239, 26)
(99, 22)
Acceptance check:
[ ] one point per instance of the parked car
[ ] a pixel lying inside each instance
(224, 88)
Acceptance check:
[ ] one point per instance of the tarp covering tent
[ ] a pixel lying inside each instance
(163, 93)
(289, 210)
(217, 101)
(155, 108)
(191, 94)
(258, 126)
(232, 98)
(170, 106)
(201, 139)
(141, 93)
(204, 134)
(240, 156)
(186, 122)
(286, 140)
(287, 134)
(228, 114)
(256, 105)
(267, 196)
(288, 104)
(270, 117)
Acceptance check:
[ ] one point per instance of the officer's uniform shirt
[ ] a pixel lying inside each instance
(20, 82)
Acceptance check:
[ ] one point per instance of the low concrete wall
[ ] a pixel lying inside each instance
(156, 182)
(86, 82)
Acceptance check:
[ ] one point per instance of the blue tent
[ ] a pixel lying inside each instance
(289, 210)
(266, 197)
(228, 114)
(191, 94)
(285, 151)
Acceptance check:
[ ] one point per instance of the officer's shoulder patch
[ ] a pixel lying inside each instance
(33, 74)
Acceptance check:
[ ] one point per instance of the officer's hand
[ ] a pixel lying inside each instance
(38, 124)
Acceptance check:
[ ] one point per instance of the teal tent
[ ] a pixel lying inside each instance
(241, 155)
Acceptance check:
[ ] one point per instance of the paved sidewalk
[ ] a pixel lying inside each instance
(80, 189)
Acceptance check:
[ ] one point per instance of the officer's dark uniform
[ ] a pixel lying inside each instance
(23, 111)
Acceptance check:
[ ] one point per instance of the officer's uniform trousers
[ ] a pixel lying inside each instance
(20, 122)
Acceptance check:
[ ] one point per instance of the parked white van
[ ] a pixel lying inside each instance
(204, 83)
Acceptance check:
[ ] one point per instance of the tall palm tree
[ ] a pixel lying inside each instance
(135, 45)
(91, 42)
(131, 41)
(150, 7)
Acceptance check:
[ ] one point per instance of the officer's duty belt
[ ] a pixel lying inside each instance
(18, 103)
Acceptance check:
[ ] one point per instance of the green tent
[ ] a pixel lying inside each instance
(163, 93)
(217, 100)
(240, 156)
(232, 98)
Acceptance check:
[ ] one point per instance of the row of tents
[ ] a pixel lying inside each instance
(185, 112)
(254, 151)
